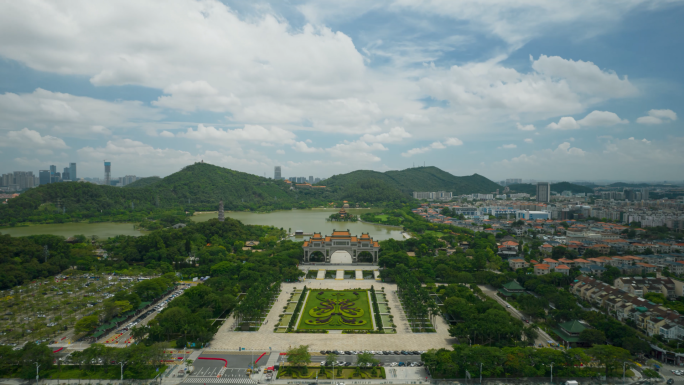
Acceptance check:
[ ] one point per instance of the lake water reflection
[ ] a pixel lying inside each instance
(310, 221)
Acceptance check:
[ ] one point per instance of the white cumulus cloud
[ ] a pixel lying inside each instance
(658, 117)
(26, 139)
(527, 127)
(303, 147)
(594, 118)
(191, 96)
(433, 146)
(395, 134)
(508, 146)
(250, 133)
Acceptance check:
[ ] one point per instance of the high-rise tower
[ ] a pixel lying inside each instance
(108, 173)
(544, 192)
(276, 173)
(222, 216)
(72, 171)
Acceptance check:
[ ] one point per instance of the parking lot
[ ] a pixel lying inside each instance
(385, 359)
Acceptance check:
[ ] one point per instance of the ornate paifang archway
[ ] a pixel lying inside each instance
(341, 241)
(341, 257)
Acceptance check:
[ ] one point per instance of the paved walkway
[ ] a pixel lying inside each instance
(359, 274)
(266, 338)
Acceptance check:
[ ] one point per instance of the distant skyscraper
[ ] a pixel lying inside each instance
(630, 194)
(544, 192)
(311, 179)
(644, 194)
(108, 173)
(72, 171)
(276, 173)
(66, 174)
(44, 176)
(53, 169)
(317, 180)
(7, 180)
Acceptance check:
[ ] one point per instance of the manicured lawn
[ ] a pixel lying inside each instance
(336, 310)
(382, 217)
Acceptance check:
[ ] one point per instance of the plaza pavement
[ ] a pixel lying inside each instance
(266, 338)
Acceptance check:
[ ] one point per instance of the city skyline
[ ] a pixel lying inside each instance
(548, 92)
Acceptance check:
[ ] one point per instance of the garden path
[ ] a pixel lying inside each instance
(267, 338)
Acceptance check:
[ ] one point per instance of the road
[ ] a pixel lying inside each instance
(235, 371)
(543, 337)
(142, 320)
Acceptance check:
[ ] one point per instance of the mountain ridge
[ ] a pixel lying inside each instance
(428, 178)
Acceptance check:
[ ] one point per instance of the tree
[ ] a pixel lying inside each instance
(86, 324)
(299, 355)
(609, 356)
(592, 336)
(32, 353)
(330, 358)
(363, 359)
(636, 345)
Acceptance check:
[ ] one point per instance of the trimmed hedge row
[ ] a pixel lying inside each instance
(376, 309)
(300, 302)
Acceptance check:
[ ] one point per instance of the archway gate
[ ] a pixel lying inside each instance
(341, 241)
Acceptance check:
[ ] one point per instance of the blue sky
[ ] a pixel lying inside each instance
(582, 90)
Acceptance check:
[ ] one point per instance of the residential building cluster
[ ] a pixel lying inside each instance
(18, 181)
(628, 264)
(624, 300)
(431, 196)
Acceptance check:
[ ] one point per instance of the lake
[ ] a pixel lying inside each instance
(309, 221)
(102, 230)
(306, 220)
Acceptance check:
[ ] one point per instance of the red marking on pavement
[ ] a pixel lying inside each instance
(58, 350)
(217, 359)
(257, 360)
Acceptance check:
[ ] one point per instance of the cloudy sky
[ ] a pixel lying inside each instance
(533, 89)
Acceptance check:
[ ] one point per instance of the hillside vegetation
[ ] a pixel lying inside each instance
(200, 187)
(419, 179)
(144, 182)
(557, 187)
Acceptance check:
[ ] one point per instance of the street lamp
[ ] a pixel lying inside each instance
(552, 372)
(122, 365)
(623, 371)
(480, 372)
(37, 366)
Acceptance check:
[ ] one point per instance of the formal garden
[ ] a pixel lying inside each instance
(337, 310)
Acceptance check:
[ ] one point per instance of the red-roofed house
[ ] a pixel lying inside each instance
(542, 269)
(517, 263)
(563, 269)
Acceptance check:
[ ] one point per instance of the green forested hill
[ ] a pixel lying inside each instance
(200, 187)
(419, 179)
(557, 187)
(144, 182)
(196, 187)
